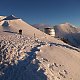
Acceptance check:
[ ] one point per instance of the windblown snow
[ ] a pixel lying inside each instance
(35, 55)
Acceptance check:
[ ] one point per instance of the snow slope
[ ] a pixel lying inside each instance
(60, 62)
(11, 23)
(2, 17)
(35, 57)
(68, 32)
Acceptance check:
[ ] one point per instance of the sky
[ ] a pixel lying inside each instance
(49, 12)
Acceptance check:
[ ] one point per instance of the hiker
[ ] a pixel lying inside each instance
(20, 32)
(34, 35)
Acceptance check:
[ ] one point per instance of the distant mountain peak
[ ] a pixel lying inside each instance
(41, 25)
(67, 25)
(11, 17)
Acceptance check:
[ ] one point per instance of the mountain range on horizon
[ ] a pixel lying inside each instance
(11, 17)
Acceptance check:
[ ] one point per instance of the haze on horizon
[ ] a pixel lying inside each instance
(43, 11)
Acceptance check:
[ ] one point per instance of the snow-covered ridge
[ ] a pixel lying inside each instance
(24, 56)
(35, 55)
(11, 17)
(2, 17)
(13, 48)
(69, 33)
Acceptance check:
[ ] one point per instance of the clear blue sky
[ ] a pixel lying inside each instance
(43, 11)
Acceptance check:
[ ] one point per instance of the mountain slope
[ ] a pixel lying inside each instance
(60, 63)
(39, 57)
(25, 58)
(14, 24)
(2, 17)
(68, 33)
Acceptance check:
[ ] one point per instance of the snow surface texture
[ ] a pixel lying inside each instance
(35, 57)
(27, 58)
(16, 54)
